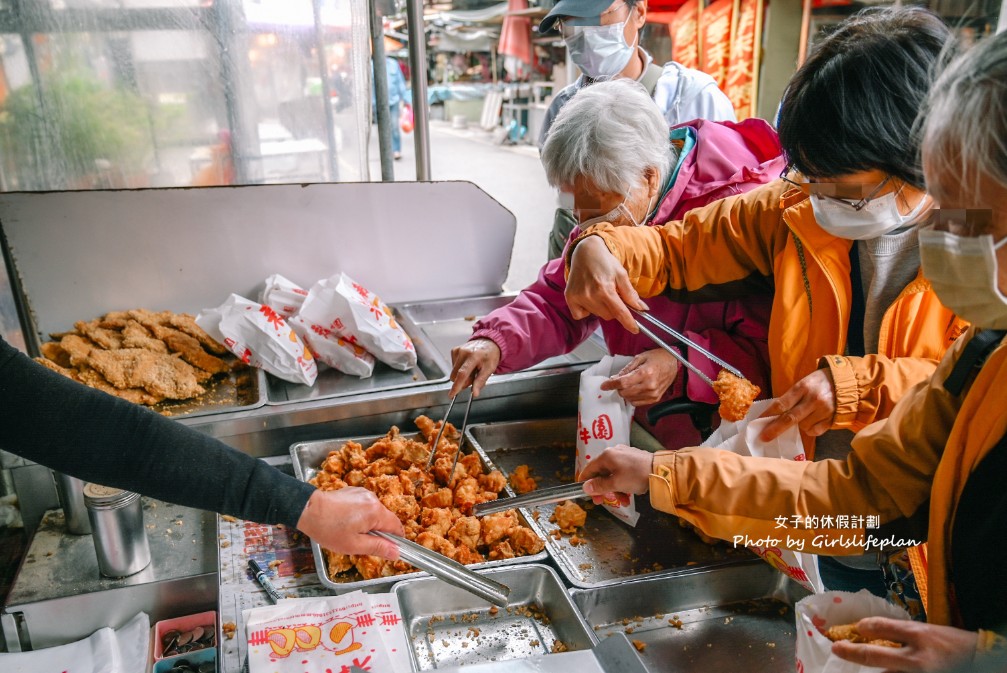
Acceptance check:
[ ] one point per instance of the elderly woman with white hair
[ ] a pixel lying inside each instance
(942, 453)
(611, 151)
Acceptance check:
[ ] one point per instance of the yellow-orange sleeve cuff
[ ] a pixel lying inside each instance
(662, 492)
(844, 380)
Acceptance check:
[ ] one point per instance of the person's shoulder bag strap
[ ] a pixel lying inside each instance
(972, 359)
(650, 77)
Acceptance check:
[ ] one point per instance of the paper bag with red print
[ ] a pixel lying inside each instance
(351, 311)
(742, 438)
(603, 420)
(816, 614)
(261, 338)
(333, 350)
(282, 295)
(335, 633)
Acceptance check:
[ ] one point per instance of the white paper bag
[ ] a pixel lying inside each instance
(318, 635)
(742, 437)
(835, 608)
(261, 338)
(333, 350)
(105, 651)
(351, 311)
(282, 295)
(603, 420)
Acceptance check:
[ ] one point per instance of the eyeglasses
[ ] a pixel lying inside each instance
(848, 191)
(568, 25)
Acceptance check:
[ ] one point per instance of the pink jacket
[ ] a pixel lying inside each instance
(727, 158)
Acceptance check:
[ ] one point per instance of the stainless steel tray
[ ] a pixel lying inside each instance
(430, 367)
(237, 392)
(442, 621)
(726, 619)
(446, 324)
(612, 551)
(308, 456)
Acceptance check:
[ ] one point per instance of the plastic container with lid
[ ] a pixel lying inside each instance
(120, 539)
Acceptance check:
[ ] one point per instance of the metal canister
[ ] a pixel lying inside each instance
(71, 499)
(120, 539)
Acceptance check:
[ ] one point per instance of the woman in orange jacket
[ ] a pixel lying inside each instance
(943, 450)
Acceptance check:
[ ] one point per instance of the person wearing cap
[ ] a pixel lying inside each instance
(942, 453)
(603, 39)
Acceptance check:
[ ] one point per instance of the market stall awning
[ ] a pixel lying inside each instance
(515, 37)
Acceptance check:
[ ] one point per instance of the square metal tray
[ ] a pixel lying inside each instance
(307, 457)
(446, 324)
(442, 621)
(726, 619)
(612, 551)
(238, 392)
(430, 367)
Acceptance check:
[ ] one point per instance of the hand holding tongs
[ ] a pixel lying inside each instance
(682, 339)
(449, 571)
(440, 433)
(542, 496)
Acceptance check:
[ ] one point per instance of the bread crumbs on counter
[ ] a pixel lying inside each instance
(559, 646)
(225, 544)
(534, 643)
(629, 630)
(228, 518)
(639, 645)
(494, 610)
(676, 622)
(229, 629)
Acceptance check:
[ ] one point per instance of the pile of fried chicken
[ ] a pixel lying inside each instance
(138, 355)
(435, 505)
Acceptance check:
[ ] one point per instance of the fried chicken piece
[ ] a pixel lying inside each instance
(437, 520)
(135, 335)
(465, 531)
(327, 482)
(493, 482)
(443, 497)
(186, 323)
(77, 348)
(497, 526)
(386, 484)
(106, 338)
(188, 347)
(403, 506)
(355, 478)
(371, 567)
(415, 453)
(849, 632)
(69, 373)
(437, 543)
(53, 351)
(380, 467)
(161, 375)
(473, 466)
(521, 481)
(465, 556)
(412, 529)
(501, 550)
(338, 563)
(429, 428)
(466, 494)
(353, 454)
(114, 320)
(89, 377)
(569, 516)
(525, 541)
(442, 469)
(736, 395)
(334, 463)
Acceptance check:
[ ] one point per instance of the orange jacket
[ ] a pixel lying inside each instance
(768, 241)
(927, 448)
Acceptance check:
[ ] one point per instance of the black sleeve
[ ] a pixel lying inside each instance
(69, 427)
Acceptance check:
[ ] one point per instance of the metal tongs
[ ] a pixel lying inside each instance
(447, 570)
(440, 433)
(543, 496)
(684, 340)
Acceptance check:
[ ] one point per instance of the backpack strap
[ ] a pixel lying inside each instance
(650, 77)
(973, 357)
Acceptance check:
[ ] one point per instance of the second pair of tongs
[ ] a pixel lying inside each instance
(448, 570)
(440, 433)
(542, 496)
(681, 338)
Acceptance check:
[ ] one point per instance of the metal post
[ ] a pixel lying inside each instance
(330, 120)
(381, 110)
(418, 66)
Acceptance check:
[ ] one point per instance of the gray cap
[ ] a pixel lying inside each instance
(577, 8)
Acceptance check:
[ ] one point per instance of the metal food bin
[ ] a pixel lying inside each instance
(307, 457)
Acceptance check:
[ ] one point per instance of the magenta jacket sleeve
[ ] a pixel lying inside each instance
(535, 326)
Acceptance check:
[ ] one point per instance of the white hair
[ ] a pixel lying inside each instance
(965, 124)
(610, 132)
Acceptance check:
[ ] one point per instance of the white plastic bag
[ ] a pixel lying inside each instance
(261, 338)
(282, 295)
(317, 635)
(332, 349)
(742, 438)
(351, 311)
(603, 420)
(835, 608)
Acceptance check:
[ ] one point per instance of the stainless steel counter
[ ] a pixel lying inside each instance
(58, 595)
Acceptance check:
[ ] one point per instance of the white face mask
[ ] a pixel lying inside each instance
(963, 272)
(613, 215)
(601, 51)
(879, 217)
